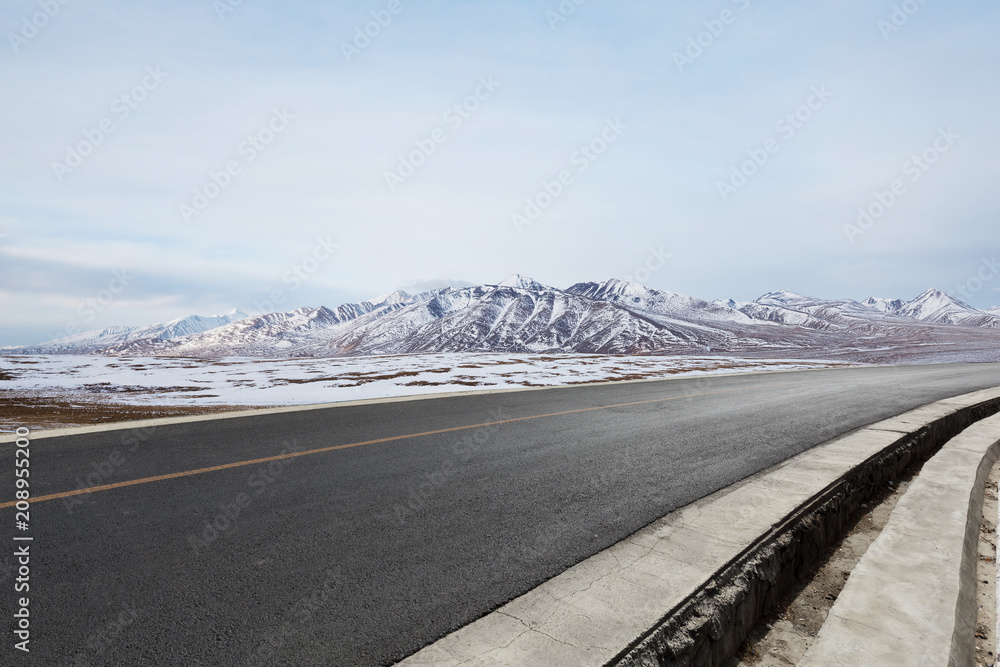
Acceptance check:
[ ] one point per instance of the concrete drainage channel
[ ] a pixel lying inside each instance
(688, 588)
(911, 600)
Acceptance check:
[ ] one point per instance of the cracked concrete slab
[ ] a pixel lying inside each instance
(881, 648)
(915, 419)
(865, 443)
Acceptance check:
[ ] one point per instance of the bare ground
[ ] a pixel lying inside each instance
(39, 412)
(783, 638)
(986, 589)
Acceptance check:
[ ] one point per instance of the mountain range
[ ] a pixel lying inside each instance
(94, 342)
(521, 315)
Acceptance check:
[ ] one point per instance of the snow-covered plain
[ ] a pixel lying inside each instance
(172, 381)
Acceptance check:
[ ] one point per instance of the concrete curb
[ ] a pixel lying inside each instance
(911, 600)
(688, 588)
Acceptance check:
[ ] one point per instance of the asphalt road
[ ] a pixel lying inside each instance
(362, 555)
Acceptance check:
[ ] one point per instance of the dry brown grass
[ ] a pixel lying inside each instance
(425, 383)
(42, 412)
(361, 378)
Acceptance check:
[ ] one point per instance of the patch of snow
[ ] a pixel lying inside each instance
(260, 382)
(884, 305)
(518, 281)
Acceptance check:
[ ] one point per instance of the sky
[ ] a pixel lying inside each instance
(168, 158)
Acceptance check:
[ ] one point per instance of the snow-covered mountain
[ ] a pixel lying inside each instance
(98, 340)
(784, 307)
(263, 335)
(520, 314)
(505, 317)
(884, 305)
(936, 306)
(837, 312)
(516, 315)
(523, 282)
(272, 334)
(639, 298)
(779, 308)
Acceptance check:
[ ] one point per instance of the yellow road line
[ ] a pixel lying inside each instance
(279, 457)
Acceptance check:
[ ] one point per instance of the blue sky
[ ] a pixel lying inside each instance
(248, 151)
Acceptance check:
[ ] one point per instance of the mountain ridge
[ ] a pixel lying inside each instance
(520, 314)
